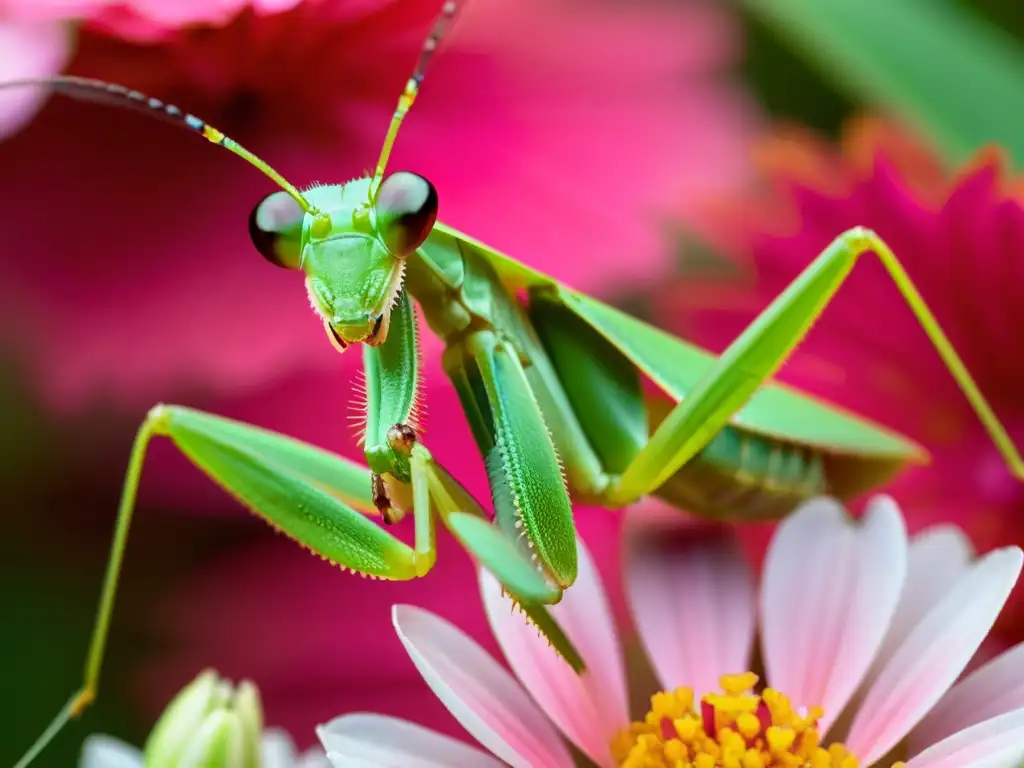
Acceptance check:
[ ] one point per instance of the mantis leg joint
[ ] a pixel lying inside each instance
(861, 239)
(83, 700)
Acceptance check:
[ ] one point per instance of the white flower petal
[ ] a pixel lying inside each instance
(277, 749)
(482, 696)
(313, 758)
(933, 655)
(376, 741)
(991, 690)
(99, 751)
(994, 743)
(831, 586)
(692, 596)
(588, 708)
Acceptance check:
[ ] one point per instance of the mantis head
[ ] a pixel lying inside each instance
(351, 244)
(352, 240)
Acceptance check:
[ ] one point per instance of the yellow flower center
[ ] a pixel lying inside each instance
(732, 729)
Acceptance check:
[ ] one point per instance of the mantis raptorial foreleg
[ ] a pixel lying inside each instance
(322, 501)
(764, 346)
(391, 381)
(522, 465)
(311, 495)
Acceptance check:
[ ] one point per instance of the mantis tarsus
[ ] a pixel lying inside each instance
(550, 382)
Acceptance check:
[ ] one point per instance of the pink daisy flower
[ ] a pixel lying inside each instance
(863, 635)
(959, 237)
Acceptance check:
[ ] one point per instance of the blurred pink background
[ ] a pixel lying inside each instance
(673, 157)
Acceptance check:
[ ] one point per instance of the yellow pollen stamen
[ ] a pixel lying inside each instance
(733, 729)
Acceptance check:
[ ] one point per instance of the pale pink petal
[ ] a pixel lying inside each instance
(692, 597)
(29, 49)
(375, 741)
(938, 558)
(792, 602)
(933, 655)
(830, 589)
(588, 708)
(991, 690)
(994, 743)
(482, 696)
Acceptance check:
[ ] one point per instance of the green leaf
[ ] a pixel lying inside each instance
(949, 73)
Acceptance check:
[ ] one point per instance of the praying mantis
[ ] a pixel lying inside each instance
(550, 381)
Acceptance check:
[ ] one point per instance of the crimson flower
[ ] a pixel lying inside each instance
(960, 236)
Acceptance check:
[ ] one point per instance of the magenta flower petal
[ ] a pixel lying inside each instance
(29, 49)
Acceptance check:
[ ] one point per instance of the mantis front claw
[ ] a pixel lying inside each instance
(384, 487)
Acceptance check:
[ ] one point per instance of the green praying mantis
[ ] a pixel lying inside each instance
(550, 380)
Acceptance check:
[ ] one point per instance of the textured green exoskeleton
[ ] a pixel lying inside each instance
(550, 381)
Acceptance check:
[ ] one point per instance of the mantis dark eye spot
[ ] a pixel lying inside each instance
(275, 226)
(406, 207)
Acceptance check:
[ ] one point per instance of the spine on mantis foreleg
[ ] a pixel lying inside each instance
(527, 481)
(391, 387)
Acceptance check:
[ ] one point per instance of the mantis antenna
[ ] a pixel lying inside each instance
(114, 95)
(412, 87)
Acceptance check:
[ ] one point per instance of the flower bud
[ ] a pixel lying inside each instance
(209, 724)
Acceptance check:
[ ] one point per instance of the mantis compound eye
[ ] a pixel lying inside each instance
(275, 226)
(406, 207)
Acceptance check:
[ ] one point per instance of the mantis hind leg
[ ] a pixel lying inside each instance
(765, 345)
(315, 497)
